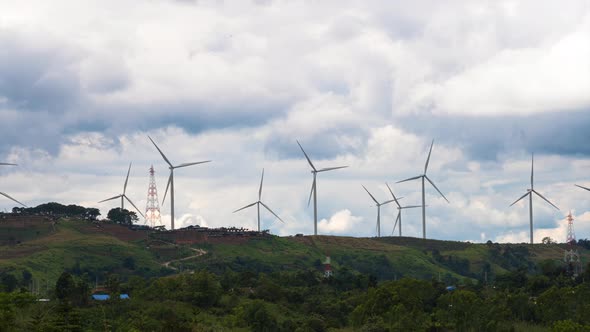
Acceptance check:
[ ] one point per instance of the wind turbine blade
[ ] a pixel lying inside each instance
(546, 200)
(394, 198)
(331, 168)
(245, 207)
(191, 164)
(387, 202)
(583, 187)
(370, 195)
(308, 160)
(7, 196)
(532, 169)
(396, 221)
(130, 202)
(432, 183)
(260, 189)
(521, 197)
(410, 206)
(110, 199)
(162, 153)
(8, 164)
(428, 159)
(311, 191)
(167, 185)
(410, 179)
(126, 179)
(269, 210)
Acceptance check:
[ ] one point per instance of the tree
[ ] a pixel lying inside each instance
(8, 282)
(547, 240)
(256, 316)
(65, 287)
(113, 284)
(92, 213)
(122, 216)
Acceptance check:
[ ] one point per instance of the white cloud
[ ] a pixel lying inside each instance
(244, 81)
(342, 222)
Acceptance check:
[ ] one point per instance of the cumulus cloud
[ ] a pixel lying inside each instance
(342, 222)
(367, 85)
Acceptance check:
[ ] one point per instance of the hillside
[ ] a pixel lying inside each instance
(46, 249)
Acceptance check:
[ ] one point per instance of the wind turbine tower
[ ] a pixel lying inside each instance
(313, 191)
(425, 177)
(378, 205)
(398, 219)
(152, 209)
(259, 202)
(530, 193)
(171, 180)
(123, 196)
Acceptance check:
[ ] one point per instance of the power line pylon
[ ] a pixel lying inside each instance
(152, 209)
(571, 236)
(571, 256)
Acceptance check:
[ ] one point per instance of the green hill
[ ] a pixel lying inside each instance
(46, 249)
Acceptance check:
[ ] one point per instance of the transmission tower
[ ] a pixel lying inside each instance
(571, 236)
(152, 209)
(571, 256)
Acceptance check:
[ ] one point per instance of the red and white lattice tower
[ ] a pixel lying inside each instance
(152, 209)
(571, 236)
(571, 256)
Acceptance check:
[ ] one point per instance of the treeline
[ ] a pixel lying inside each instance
(59, 210)
(306, 301)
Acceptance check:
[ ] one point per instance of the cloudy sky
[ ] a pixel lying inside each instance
(367, 84)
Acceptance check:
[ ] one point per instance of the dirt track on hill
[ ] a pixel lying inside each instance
(200, 252)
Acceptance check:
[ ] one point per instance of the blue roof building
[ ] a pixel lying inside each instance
(105, 297)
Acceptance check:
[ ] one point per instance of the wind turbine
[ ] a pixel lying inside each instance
(398, 219)
(378, 210)
(5, 194)
(171, 180)
(423, 177)
(259, 202)
(529, 193)
(123, 196)
(582, 187)
(313, 191)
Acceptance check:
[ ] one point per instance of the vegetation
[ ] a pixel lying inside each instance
(277, 284)
(60, 210)
(122, 216)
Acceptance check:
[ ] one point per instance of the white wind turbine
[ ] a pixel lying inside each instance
(423, 177)
(313, 191)
(123, 196)
(378, 205)
(5, 194)
(259, 202)
(171, 180)
(529, 193)
(398, 219)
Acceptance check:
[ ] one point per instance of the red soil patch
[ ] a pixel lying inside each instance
(121, 232)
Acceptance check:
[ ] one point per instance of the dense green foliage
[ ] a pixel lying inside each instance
(276, 284)
(57, 209)
(122, 216)
(303, 301)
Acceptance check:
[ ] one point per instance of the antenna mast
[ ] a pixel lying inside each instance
(152, 209)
